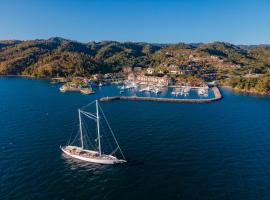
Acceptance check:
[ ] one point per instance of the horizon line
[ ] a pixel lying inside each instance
(136, 41)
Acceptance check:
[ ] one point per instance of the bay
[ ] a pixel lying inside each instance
(217, 150)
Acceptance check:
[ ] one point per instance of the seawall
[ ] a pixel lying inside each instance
(217, 93)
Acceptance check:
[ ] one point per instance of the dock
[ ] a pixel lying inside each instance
(217, 94)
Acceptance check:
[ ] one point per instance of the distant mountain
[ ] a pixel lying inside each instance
(249, 47)
(7, 43)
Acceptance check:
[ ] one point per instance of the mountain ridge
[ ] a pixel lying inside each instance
(58, 56)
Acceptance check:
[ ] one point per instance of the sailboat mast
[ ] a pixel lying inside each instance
(98, 131)
(80, 121)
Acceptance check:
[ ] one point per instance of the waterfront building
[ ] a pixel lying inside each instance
(149, 80)
(113, 77)
(153, 80)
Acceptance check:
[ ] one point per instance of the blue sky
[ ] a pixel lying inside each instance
(161, 21)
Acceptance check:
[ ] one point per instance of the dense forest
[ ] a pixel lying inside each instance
(58, 57)
(61, 57)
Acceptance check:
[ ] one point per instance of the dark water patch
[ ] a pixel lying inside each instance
(175, 151)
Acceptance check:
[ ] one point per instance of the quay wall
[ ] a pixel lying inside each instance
(217, 93)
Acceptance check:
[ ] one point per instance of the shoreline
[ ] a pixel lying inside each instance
(243, 91)
(25, 76)
(236, 90)
(217, 93)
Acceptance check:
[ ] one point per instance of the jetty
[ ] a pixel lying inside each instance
(217, 97)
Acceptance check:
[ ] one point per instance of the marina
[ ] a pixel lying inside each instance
(218, 96)
(133, 91)
(128, 88)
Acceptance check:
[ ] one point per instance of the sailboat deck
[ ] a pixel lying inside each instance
(86, 153)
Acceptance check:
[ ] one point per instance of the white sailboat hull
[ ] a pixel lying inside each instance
(103, 159)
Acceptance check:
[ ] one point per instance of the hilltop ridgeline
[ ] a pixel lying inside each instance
(61, 57)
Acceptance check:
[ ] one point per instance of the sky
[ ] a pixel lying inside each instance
(156, 21)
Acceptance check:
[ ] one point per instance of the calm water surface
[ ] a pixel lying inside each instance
(216, 150)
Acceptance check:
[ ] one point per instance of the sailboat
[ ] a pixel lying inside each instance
(94, 156)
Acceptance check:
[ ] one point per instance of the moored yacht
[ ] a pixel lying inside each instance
(203, 91)
(62, 88)
(96, 155)
(146, 89)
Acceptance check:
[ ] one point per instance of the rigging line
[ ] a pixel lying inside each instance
(87, 130)
(90, 138)
(88, 115)
(76, 135)
(111, 132)
(87, 105)
(107, 139)
(90, 143)
(72, 131)
(75, 138)
(105, 132)
(86, 135)
(114, 151)
(72, 135)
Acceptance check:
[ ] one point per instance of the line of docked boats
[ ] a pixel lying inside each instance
(133, 86)
(185, 90)
(181, 91)
(151, 89)
(203, 91)
(147, 88)
(156, 89)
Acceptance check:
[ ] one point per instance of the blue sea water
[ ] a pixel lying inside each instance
(217, 150)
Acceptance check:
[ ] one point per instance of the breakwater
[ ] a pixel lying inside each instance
(216, 91)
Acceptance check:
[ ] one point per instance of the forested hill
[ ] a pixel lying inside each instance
(62, 57)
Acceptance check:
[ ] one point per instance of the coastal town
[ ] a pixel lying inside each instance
(144, 81)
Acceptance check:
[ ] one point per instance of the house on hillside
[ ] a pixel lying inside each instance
(127, 70)
(150, 70)
(175, 71)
